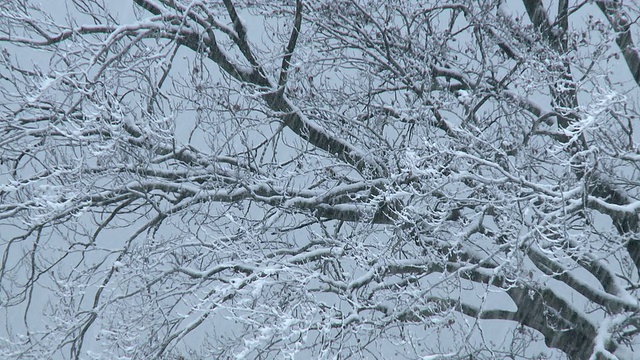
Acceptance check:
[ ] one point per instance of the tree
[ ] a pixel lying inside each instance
(325, 178)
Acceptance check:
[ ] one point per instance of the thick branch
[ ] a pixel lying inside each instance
(562, 326)
(538, 16)
(620, 23)
(559, 272)
(293, 39)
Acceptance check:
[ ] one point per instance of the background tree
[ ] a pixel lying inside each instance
(326, 178)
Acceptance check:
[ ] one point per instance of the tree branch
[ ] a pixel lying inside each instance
(286, 60)
(619, 21)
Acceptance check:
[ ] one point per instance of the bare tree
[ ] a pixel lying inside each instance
(327, 178)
